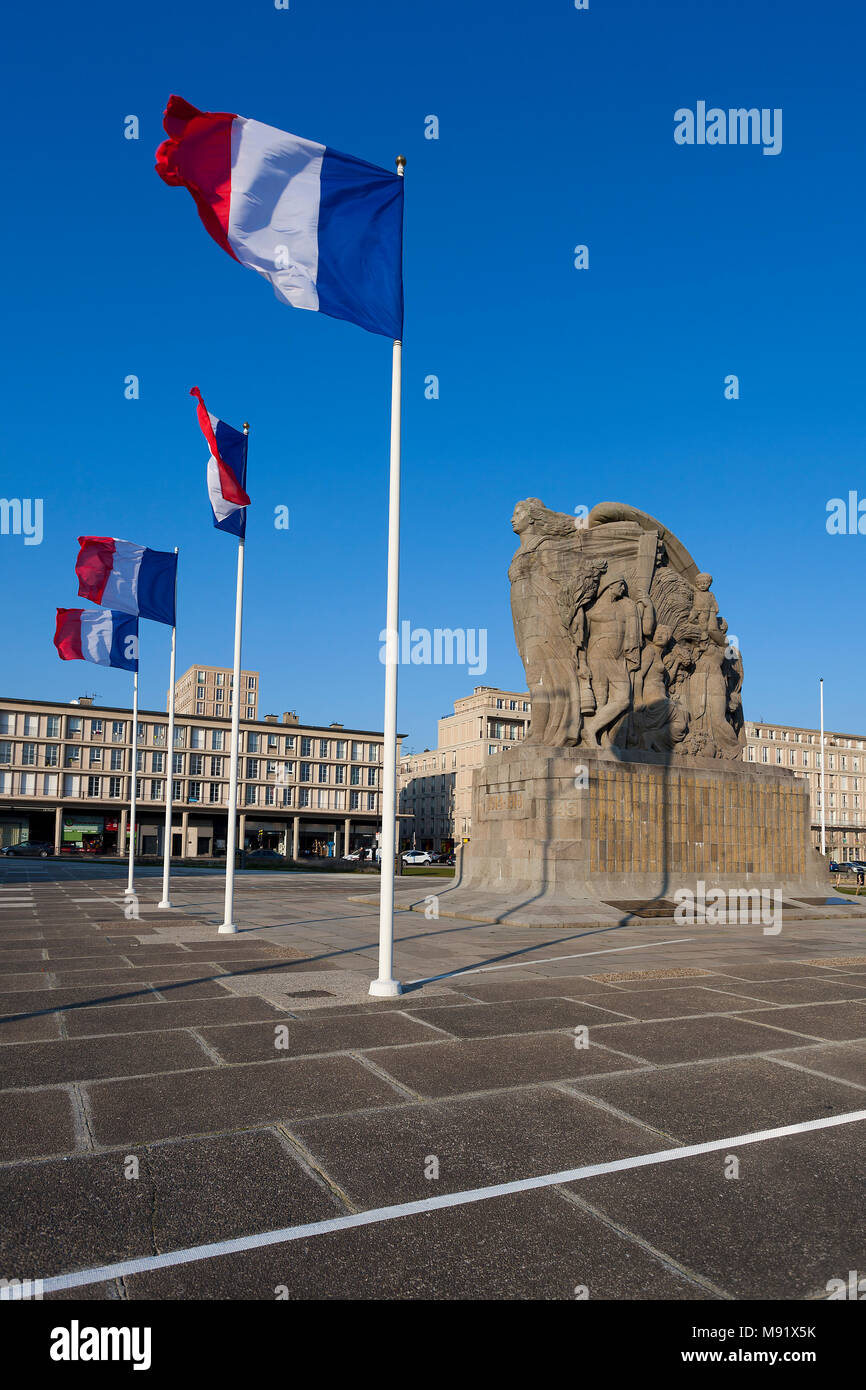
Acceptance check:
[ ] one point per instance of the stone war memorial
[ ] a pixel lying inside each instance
(631, 783)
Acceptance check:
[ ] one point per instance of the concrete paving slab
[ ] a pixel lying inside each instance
(844, 1060)
(185, 1192)
(831, 1022)
(160, 1016)
(675, 1003)
(777, 1231)
(484, 1064)
(32, 1124)
(78, 1059)
(712, 1099)
(515, 1016)
(530, 1246)
(380, 1158)
(689, 1040)
(801, 991)
(242, 1096)
(491, 990)
(257, 1042)
(33, 1028)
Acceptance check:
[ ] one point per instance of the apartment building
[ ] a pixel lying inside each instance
(209, 690)
(787, 745)
(435, 787)
(66, 769)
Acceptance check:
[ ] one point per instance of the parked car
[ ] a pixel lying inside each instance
(265, 854)
(30, 849)
(849, 868)
(417, 856)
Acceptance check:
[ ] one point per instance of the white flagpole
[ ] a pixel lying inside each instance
(228, 924)
(169, 781)
(823, 760)
(132, 798)
(386, 986)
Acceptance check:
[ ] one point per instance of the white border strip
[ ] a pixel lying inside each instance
(451, 1199)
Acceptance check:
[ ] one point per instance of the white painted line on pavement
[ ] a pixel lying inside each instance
(580, 955)
(194, 1254)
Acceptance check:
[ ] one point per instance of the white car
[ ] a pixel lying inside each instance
(417, 856)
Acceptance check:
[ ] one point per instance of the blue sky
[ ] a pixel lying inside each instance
(556, 129)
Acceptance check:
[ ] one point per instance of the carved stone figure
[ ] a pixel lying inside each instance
(620, 635)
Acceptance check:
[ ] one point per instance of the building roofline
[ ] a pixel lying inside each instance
(203, 718)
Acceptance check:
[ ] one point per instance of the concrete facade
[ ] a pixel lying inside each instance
(208, 690)
(65, 778)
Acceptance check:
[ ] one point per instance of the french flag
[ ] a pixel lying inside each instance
(226, 470)
(128, 578)
(100, 635)
(324, 228)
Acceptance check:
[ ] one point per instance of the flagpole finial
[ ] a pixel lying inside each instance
(246, 426)
(400, 161)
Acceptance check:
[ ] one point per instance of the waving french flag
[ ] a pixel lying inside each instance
(324, 228)
(126, 577)
(100, 635)
(226, 470)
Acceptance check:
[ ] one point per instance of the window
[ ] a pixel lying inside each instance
(303, 796)
(216, 739)
(139, 788)
(28, 784)
(118, 730)
(156, 789)
(199, 694)
(287, 796)
(372, 775)
(251, 682)
(323, 748)
(7, 722)
(252, 767)
(251, 697)
(73, 724)
(196, 738)
(177, 762)
(219, 678)
(764, 754)
(290, 743)
(216, 767)
(214, 793)
(218, 709)
(31, 726)
(323, 772)
(273, 741)
(176, 791)
(306, 747)
(114, 785)
(199, 707)
(371, 801)
(355, 776)
(179, 736)
(354, 799)
(94, 759)
(339, 774)
(499, 704)
(159, 733)
(252, 742)
(525, 706)
(6, 783)
(93, 784)
(194, 791)
(72, 757)
(250, 796)
(28, 754)
(306, 772)
(341, 748)
(271, 768)
(139, 760)
(157, 762)
(117, 760)
(269, 796)
(6, 750)
(374, 752)
(199, 675)
(196, 764)
(339, 801)
(53, 729)
(50, 784)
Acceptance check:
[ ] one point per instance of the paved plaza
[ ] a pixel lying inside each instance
(632, 1111)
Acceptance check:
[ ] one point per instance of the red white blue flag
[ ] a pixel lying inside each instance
(226, 470)
(100, 635)
(126, 577)
(324, 228)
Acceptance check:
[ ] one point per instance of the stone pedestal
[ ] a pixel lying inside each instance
(564, 836)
